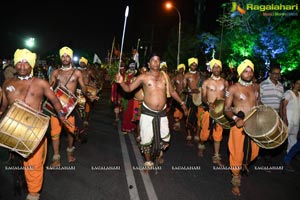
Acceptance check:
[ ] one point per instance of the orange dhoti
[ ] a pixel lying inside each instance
(236, 149)
(56, 126)
(217, 131)
(34, 168)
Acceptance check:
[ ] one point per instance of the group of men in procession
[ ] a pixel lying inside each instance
(208, 105)
(24, 88)
(194, 98)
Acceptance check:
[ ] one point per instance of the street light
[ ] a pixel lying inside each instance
(169, 5)
(30, 42)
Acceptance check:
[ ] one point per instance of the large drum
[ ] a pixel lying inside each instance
(265, 127)
(22, 128)
(218, 114)
(67, 99)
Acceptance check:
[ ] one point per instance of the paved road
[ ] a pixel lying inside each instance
(109, 166)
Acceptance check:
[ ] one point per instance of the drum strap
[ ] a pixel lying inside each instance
(69, 77)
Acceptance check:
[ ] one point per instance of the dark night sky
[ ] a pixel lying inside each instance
(87, 25)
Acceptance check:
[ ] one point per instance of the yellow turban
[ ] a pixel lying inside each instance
(84, 60)
(181, 66)
(25, 54)
(163, 64)
(213, 62)
(192, 60)
(246, 63)
(66, 50)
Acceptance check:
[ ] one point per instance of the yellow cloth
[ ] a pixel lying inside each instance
(246, 63)
(84, 60)
(181, 66)
(192, 60)
(24, 54)
(66, 50)
(213, 62)
(163, 64)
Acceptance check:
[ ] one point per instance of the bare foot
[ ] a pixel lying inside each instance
(236, 191)
(71, 157)
(55, 161)
(70, 154)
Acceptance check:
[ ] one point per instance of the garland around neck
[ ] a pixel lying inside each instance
(244, 83)
(24, 77)
(193, 72)
(66, 68)
(215, 78)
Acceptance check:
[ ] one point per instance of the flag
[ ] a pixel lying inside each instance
(97, 59)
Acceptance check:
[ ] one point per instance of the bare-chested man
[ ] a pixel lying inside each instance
(178, 85)
(156, 85)
(213, 89)
(191, 83)
(90, 79)
(67, 77)
(240, 99)
(31, 91)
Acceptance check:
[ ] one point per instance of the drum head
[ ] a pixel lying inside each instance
(262, 122)
(218, 111)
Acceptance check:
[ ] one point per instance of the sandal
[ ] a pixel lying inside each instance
(70, 154)
(55, 161)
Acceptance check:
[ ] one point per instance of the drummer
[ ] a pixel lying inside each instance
(88, 76)
(213, 88)
(191, 84)
(68, 77)
(240, 99)
(31, 90)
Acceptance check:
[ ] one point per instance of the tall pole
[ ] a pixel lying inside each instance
(179, 35)
(169, 5)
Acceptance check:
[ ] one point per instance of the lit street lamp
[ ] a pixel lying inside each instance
(30, 42)
(169, 5)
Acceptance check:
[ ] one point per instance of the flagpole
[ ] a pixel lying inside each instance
(112, 49)
(126, 15)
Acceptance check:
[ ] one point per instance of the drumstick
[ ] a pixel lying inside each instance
(250, 115)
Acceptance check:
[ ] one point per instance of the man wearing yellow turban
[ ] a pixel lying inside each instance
(193, 90)
(88, 76)
(66, 50)
(240, 100)
(192, 61)
(24, 55)
(21, 92)
(213, 92)
(83, 60)
(67, 79)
